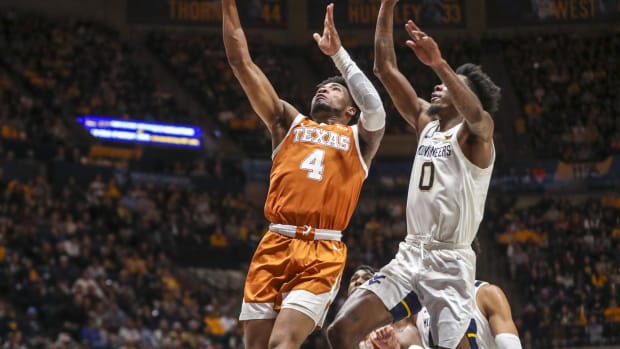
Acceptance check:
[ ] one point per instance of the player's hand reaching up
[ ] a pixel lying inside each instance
(329, 42)
(385, 338)
(423, 45)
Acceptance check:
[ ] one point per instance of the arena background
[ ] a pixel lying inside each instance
(109, 244)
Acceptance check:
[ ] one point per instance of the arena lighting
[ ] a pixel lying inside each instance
(145, 132)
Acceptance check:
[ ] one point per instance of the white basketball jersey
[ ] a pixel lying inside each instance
(423, 323)
(484, 335)
(446, 191)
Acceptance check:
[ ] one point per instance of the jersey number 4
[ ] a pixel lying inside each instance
(313, 163)
(427, 176)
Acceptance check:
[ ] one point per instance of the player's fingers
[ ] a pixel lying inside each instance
(326, 20)
(330, 12)
(413, 25)
(316, 37)
(411, 44)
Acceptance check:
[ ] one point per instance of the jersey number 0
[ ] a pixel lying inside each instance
(427, 176)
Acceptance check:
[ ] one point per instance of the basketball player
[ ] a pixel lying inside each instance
(319, 165)
(401, 334)
(447, 190)
(491, 327)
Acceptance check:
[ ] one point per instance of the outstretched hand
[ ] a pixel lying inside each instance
(384, 338)
(424, 47)
(329, 42)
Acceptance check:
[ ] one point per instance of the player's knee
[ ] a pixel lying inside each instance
(285, 340)
(340, 335)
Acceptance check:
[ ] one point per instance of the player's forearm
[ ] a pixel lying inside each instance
(465, 100)
(364, 93)
(385, 55)
(235, 43)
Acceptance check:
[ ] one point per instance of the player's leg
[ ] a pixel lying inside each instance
(362, 313)
(256, 333)
(261, 291)
(308, 293)
(447, 286)
(384, 298)
(290, 330)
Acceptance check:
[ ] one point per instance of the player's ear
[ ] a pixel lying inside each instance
(351, 111)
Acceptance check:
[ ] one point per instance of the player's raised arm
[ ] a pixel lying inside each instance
(276, 113)
(372, 116)
(468, 105)
(404, 96)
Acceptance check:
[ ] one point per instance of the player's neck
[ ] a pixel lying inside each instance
(330, 119)
(446, 123)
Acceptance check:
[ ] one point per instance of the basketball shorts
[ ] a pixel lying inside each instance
(299, 274)
(442, 279)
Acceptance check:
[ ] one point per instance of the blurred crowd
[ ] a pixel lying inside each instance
(567, 84)
(97, 265)
(565, 256)
(54, 70)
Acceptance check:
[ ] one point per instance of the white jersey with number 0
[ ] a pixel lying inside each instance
(446, 191)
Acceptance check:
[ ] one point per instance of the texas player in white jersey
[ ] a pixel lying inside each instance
(491, 327)
(448, 188)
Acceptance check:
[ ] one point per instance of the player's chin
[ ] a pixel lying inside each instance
(321, 107)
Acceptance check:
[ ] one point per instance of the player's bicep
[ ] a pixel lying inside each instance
(482, 128)
(498, 310)
(369, 142)
(263, 97)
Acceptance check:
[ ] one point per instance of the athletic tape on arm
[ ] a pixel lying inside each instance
(507, 341)
(364, 93)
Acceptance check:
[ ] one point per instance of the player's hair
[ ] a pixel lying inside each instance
(364, 267)
(487, 91)
(338, 79)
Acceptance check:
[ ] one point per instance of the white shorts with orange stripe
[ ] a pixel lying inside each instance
(299, 271)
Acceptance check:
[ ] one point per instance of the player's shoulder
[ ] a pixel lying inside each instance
(491, 296)
(490, 289)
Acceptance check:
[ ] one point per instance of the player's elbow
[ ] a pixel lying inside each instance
(385, 72)
(380, 70)
(238, 62)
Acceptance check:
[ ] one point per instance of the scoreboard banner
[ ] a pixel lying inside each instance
(502, 13)
(254, 13)
(363, 13)
(142, 132)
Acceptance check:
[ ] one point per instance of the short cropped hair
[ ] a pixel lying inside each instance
(364, 267)
(487, 91)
